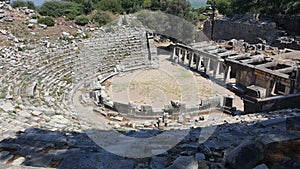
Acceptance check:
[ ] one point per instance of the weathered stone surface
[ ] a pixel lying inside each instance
(39, 161)
(7, 107)
(203, 164)
(158, 162)
(6, 158)
(200, 156)
(3, 153)
(18, 161)
(296, 164)
(261, 166)
(36, 113)
(293, 123)
(95, 160)
(184, 162)
(272, 121)
(247, 155)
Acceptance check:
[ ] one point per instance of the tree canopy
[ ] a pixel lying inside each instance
(269, 7)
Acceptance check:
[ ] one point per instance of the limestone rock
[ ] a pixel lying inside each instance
(261, 166)
(247, 155)
(200, 156)
(36, 113)
(292, 123)
(158, 162)
(18, 161)
(202, 164)
(7, 107)
(184, 162)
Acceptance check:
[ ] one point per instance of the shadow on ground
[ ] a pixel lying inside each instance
(44, 148)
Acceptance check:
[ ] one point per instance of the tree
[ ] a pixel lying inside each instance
(131, 6)
(269, 7)
(61, 8)
(87, 6)
(110, 5)
(176, 7)
(28, 4)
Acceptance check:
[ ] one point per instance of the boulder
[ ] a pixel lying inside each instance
(184, 162)
(292, 123)
(158, 162)
(18, 161)
(202, 164)
(30, 26)
(200, 156)
(247, 155)
(261, 166)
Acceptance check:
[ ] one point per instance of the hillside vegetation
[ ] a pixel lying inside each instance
(107, 8)
(269, 7)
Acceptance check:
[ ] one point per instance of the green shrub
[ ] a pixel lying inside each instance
(110, 5)
(28, 4)
(81, 20)
(46, 21)
(61, 8)
(34, 16)
(102, 18)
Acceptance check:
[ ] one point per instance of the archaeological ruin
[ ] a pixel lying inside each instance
(232, 98)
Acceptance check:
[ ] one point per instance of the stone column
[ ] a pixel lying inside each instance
(191, 57)
(173, 54)
(179, 55)
(287, 90)
(227, 73)
(184, 56)
(198, 61)
(269, 88)
(207, 66)
(216, 69)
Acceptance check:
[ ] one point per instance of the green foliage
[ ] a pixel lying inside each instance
(81, 20)
(46, 21)
(61, 8)
(269, 7)
(28, 4)
(110, 5)
(131, 6)
(202, 17)
(147, 4)
(102, 18)
(34, 16)
(87, 6)
(176, 7)
(193, 17)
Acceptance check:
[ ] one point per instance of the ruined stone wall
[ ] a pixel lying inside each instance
(289, 23)
(271, 104)
(245, 77)
(147, 111)
(124, 47)
(227, 29)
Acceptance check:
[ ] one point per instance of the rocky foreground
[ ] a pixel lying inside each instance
(264, 140)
